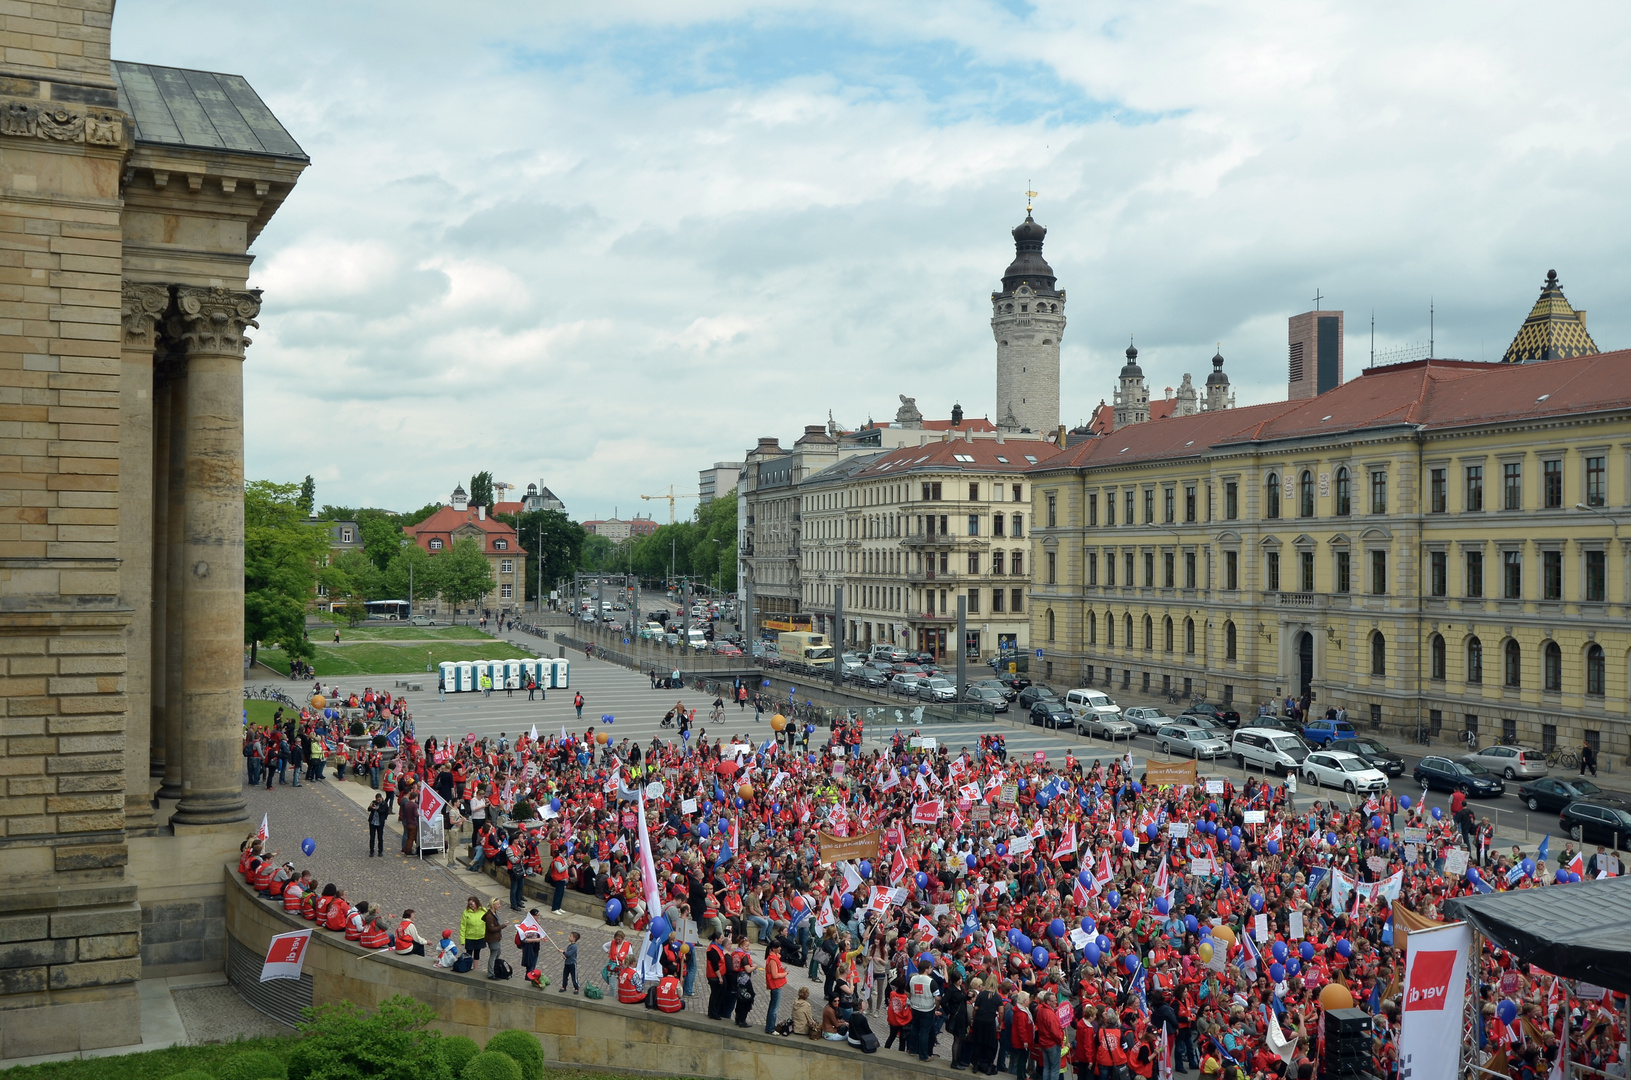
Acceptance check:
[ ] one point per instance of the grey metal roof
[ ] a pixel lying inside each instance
(201, 109)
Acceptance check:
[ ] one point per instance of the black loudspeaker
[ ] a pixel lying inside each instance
(1347, 1043)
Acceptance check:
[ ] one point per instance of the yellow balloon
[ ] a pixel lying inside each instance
(602, 738)
(1335, 996)
(746, 791)
(318, 701)
(778, 722)
(1224, 933)
(1206, 952)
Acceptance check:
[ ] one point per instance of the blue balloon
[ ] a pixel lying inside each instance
(1234, 843)
(1130, 961)
(1090, 953)
(1404, 802)
(1307, 950)
(1088, 925)
(925, 957)
(1279, 950)
(1256, 899)
(924, 768)
(971, 861)
(1331, 838)
(1113, 898)
(1039, 958)
(1384, 843)
(849, 901)
(1235, 831)
(1277, 972)
(1002, 849)
(614, 910)
(1574, 878)
(1104, 943)
(1162, 905)
(1344, 949)
(1192, 924)
(1293, 966)
(606, 718)
(1138, 789)
(866, 869)
(1507, 1011)
(659, 928)
(922, 880)
(307, 846)
(1211, 807)
(1529, 867)
(1057, 928)
(1274, 847)
(702, 830)
(1086, 879)
(1438, 813)
(1024, 944)
(1206, 930)
(555, 805)
(1014, 934)
(1152, 830)
(1562, 876)
(1376, 821)
(1127, 837)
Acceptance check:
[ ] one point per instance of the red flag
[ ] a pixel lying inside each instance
(926, 813)
(1067, 843)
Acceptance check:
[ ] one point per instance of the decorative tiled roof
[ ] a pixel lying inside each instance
(447, 524)
(1553, 330)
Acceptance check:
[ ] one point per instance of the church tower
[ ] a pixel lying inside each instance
(1133, 398)
(1027, 320)
(1218, 395)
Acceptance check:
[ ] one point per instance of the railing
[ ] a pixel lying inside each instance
(1305, 600)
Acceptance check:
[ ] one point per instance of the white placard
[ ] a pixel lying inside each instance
(928, 742)
(1410, 854)
(1255, 817)
(285, 955)
(1296, 924)
(1260, 928)
(838, 751)
(1177, 829)
(1220, 955)
(1020, 844)
(1613, 865)
(654, 790)
(1214, 787)
(688, 806)
(1455, 862)
(1079, 938)
(1200, 867)
(941, 909)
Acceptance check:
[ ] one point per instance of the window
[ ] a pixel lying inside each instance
(436, 543)
(1149, 506)
(506, 566)
(1092, 633)
(1378, 491)
(1475, 487)
(1378, 654)
(1017, 563)
(1344, 574)
(996, 601)
(1305, 560)
(1512, 575)
(1512, 486)
(1552, 484)
(1271, 496)
(1231, 501)
(1149, 634)
(1344, 493)
(1109, 631)
(1127, 507)
(1189, 569)
(1305, 495)
(996, 562)
(1552, 667)
(974, 562)
(1551, 575)
(1053, 568)
(1378, 572)
(1149, 569)
(1109, 508)
(1020, 488)
(1168, 569)
(1019, 526)
(1169, 505)
(1596, 481)
(1016, 600)
(1438, 573)
(1092, 509)
(973, 492)
(1231, 570)
(1436, 657)
(1475, 573)
(501, 545)
(974, 601)
(931, 492)
(1050, 624)
(1189, 503)
(974, 524)
(1229, 641)
(1273, 571)
(1110, 569)
(506, 592)
(1595, 669)
(1596, 575)
(1511, 664)
(1053, 510)
(1189, 636)
(345, 536)
(1438, 498)
(1166, 632)
(1376, 717)
(998, 524)
(1092, 568)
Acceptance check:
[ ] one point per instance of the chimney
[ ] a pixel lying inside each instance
(968, 435)
(999, 435)
(957, 410)
(481, 513)
(1061, 440)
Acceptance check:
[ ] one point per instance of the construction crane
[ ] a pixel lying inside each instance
(501, 489)
(671, 497)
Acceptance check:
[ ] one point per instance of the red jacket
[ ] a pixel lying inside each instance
(1049, 1032)
(1019, 1037)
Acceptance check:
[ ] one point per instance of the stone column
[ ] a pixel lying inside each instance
(175, 587)
(143, 305)
(159, 552)
(210, 324)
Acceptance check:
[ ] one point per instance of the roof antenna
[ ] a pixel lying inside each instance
(1431, 348)
(1372, 337)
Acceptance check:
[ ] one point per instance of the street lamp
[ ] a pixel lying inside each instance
(1612, 520)
(405, 542)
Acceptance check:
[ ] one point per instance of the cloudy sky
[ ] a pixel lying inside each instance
(604, 245)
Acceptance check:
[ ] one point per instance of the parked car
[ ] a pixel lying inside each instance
(1104, 725)
(1202, 723)
(1032, 694)
(1221, 716)
(1145, 719)
(888, 653)
(927, 659)
(1016, 683)
(1008, 693)
(1442, 774)
(906, 682)
(874, 678)
(422, 620)
(1372, 752)
(1270, 751)
(1350, 772)
(1273, 723)
(935, 688)
(1511, 762)
(1196, 742)
(1086, 702)
(1050, 713)
(725, 648)
(1320, 732)
(987, 697)
(1551, 793)
(1597, 821)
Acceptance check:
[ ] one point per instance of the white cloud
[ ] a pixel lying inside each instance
(604, 246)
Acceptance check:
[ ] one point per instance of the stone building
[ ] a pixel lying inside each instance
(1028, 320)
(131, 194)
(447, 526)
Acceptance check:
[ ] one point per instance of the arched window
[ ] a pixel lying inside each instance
(1127, 625)
(1149, 633)
(1596, 669)
(1092, 628)
(1166, 629)
(1344, 493)
(1271, 496)
(1050, 624)
(1552, 667)
(1189, 636)
(1229, 641)
(1109, 630)
(1436, 657)
(1305, 495)
(1378, 654)
(1475, 660)
(1511, 664)
(501, 545)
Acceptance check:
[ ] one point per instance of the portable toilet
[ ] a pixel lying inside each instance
(466, 676)
(449, 674)
(534, 669)
(561, 673)
(511, 671)
(485, 667)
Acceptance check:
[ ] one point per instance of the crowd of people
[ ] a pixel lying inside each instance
(1036, 915)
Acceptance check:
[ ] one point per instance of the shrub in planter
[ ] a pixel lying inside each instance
(380, 742)
(491, 1065)
(252, 1065)
(457, 1050)
(358, 728)
(521, 811)
(523, 1048)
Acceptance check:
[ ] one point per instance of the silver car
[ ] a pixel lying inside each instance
(1104, 725)
(987, 697)
(936, 688)
(1145, 719)
(1511, 762)
(1192, 741)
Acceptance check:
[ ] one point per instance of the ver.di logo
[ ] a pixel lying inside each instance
(1429, 980)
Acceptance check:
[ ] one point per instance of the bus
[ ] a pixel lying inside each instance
(789, 623)
(803, 648)
(393, 610)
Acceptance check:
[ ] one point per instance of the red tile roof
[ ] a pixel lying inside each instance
(982, 455)
(447, 521)
(1104, 417)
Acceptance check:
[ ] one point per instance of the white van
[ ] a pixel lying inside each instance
(1268, 750)
(1081, 703)
(696, 638)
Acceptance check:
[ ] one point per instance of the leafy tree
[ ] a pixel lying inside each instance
(345, 1042)
(416, 516)
(397, 584)
(704, 548)
(599, 553)
(337, 513)
(381, 537)
(354, 572)
(560, 538)
(281, 553)
(463, 573)
(481, 489)
(308, 495)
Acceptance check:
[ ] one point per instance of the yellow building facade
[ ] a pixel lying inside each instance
(1437, 546)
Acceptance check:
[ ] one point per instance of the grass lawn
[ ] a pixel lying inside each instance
(384, 659)
(377, 631)
(261, 712)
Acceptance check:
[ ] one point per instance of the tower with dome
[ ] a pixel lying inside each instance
(1027, 320)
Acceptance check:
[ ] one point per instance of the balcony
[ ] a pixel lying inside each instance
(1306, 601)
(919, 540)
(938, 576)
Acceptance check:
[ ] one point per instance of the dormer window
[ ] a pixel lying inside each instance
(500, 545)
(436, 543)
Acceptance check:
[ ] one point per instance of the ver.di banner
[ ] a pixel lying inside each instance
(1435, 990)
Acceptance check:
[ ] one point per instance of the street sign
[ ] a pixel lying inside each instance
(1039, 654)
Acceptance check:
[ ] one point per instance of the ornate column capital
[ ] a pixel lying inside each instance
(144, 306)
(213, 319)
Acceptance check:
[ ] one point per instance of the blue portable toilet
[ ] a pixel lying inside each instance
(466, 679)
(561, 672)
(449, 673)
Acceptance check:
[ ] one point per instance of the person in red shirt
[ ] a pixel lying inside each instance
(1021, 1034)
(1050, 1034)
(775, 979)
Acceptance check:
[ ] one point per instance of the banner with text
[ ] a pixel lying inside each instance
(1169, 772)
(1434, 992)
(849, 848)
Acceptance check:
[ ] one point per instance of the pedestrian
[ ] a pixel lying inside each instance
(1588, 759)
(377, 816)
(486, 685)
(529, 939)
(441, 687)
(473, 928)
(292, 753)
(495, 936)
(577, 703)
(775, 980)
(408, 815)
(557, 878)
(569, 961)
(922, 997)
(532, 687)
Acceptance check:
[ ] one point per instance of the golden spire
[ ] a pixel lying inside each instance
(1029, 195)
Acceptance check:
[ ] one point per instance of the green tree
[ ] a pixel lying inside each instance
(308, 495)
(416, 516)
(337, 513)
(599, 553)
(463, 574)
(397, 583)
(381, 537)
(481, 489)
(281, 555)
(559, 537)
(345, 1042)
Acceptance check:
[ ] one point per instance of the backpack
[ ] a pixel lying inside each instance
(869, 1043)
(502, 969)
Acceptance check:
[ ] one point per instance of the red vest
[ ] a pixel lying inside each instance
(628, 991)
(404, 944)
(375, 937)
(668, 994)
(1110, 1052)
(263, 876)
(334, 916)
(353, 927)
(291, 895)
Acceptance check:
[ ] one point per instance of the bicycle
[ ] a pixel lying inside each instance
(1173, 697)
(1564, 758)
(1471, 739)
